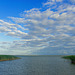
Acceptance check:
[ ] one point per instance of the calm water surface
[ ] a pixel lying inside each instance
(37, 65)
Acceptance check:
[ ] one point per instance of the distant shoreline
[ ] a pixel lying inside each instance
(35, 55)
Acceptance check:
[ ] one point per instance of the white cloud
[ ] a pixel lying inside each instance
(42, 29)
(59, 0)
(4, 29)
(72, 1)
(52, 2)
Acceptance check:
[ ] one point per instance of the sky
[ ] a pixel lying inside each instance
(37, 27)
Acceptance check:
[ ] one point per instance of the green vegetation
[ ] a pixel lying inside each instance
(71, 57)
(8, 57)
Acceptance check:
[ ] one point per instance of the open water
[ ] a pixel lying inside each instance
(37, 65)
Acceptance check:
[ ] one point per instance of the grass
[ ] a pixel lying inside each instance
(7, 57)
(71, 57)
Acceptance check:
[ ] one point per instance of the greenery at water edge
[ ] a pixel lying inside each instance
(8, 57)
(71, 57)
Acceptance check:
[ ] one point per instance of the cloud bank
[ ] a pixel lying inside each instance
(50, 29)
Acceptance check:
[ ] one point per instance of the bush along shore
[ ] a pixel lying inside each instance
(71, 57)
(8, 57)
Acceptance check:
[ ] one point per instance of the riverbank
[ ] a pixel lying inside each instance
(8, 57)
(71, 57)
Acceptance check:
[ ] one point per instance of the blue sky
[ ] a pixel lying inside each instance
(16, 7)
(37, 27)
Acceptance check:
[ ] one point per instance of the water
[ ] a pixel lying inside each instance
(37, 65)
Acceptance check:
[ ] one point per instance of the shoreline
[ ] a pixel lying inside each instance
(71, 57)
(8, 57)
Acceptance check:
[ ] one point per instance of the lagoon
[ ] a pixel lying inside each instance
(37, 65)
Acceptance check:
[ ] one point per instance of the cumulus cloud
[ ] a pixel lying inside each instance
(52, 3)
(72, 1)
(52, 29)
